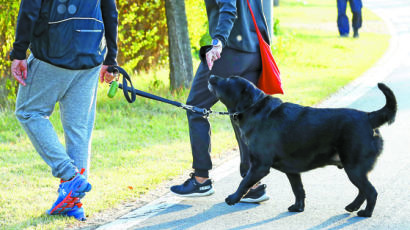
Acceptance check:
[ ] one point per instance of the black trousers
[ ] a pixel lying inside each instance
(232, 62)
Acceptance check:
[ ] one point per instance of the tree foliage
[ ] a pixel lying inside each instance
(143, 34)
(142, 37)
(8, 18)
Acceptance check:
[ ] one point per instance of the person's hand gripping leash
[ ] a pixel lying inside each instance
(214, 54)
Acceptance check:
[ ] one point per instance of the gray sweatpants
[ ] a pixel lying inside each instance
(76, 92)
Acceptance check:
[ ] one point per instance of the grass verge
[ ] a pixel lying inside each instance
(138, 146)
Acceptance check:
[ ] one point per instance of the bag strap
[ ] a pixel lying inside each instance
(254, 21)
(260, 38)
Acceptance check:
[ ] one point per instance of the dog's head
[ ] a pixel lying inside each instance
(235, 92)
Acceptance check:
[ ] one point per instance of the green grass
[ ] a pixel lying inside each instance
(314, 11)
(138, 146)
(315, 64)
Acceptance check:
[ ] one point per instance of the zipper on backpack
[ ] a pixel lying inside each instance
(89, 31)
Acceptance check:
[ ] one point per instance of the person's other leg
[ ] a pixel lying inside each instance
(35, 103)
(77, 108)
(248, 66)
(258, 192)
(356, 8)
(243, 148)
(342, 20)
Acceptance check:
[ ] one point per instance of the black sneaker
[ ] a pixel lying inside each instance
(192, 188)
(255, 195)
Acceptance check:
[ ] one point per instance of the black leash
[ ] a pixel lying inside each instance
(130, 94)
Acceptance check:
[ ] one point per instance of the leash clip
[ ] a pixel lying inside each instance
(205, 113)
(188, 107)
(235, 116)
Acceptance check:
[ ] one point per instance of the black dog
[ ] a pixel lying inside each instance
(294, 139)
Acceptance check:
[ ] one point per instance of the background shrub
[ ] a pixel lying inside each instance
(8, 18)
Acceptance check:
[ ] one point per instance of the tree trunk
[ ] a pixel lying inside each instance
(180, 58)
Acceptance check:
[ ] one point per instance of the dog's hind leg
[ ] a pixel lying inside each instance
(355, 205)
(254, 175)
(358, 177)
(297, 188)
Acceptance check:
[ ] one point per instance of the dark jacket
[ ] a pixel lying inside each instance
(230, 21)
(72, 34)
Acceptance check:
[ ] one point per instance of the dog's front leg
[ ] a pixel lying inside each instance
(298, 191)
(255, 174)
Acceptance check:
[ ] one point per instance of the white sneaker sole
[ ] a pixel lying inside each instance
(208, 193)
(257, 200)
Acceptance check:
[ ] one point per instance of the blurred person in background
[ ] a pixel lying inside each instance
(343, 21)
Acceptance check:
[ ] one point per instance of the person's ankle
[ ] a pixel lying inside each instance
(201, 180)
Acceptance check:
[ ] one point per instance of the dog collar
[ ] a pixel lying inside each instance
(235, 115)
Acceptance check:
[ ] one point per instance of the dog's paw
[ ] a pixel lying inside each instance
(352, 208)
(363, 213)
(231, 199)
(296, 208)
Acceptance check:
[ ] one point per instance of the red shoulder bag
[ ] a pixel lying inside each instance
(269, 81)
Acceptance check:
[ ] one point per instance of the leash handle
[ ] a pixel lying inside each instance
(126, 78)
(128, 94)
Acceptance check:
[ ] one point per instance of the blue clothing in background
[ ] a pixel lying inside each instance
(343, 21)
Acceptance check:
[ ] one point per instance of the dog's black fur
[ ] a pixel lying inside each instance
(294, 139)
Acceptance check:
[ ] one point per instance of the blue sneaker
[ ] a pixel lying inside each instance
(77, 212)
(192, 188)
(69, 194)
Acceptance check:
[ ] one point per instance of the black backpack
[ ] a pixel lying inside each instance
(70, 34)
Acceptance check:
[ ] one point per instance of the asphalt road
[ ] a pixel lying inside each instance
(328, 189)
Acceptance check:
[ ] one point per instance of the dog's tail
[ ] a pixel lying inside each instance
(388, 112)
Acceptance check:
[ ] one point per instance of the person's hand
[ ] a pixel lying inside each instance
(213, 55)
(19, 70)
(105, 75)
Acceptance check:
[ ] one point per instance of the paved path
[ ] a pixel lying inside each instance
(328, 190)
